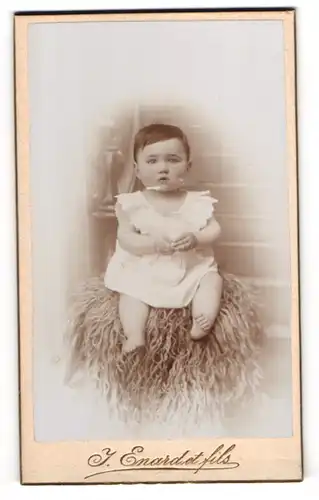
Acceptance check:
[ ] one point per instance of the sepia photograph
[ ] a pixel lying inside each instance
(158, 246)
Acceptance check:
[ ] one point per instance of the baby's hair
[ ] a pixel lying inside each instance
(158, 132)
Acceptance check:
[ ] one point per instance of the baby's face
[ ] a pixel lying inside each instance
(162, 164)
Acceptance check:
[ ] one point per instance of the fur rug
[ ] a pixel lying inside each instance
(173, 372)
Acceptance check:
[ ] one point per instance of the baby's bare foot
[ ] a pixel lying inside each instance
(200, 328)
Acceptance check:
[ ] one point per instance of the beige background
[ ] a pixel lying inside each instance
(283, 448)
(232, 74)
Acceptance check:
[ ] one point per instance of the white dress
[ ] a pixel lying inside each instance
(168, 281)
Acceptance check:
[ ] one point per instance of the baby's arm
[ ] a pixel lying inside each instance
(206, 236)
(134, 242)
(129, 239)
(200, 239)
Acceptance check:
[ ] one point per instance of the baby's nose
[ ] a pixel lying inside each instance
(163, 168)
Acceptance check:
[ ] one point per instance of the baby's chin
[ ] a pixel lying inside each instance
(164, 187)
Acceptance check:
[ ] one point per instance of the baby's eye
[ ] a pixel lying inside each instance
(173, 160)
(151, 161)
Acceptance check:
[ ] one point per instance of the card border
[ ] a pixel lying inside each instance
(32, 453)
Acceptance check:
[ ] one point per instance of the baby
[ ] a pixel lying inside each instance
(164, 256)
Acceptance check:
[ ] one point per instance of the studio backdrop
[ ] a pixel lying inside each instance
(91, 87)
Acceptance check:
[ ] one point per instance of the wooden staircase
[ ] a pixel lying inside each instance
(249, 249)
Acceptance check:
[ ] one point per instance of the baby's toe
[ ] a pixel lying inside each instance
(201, 320)
(204, 323)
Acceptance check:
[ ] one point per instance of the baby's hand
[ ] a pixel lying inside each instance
(164, 246)
(186, 241)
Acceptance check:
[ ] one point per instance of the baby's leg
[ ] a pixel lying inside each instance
(133, 315)
(205, 305)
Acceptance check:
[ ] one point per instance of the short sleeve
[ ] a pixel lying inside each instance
(201, 208)
(136, 209)
(129, 201)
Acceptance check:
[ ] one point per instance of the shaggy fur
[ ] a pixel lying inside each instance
(172, 372)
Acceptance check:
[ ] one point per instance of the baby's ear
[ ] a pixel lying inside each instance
(189, 164)
(135, 168)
